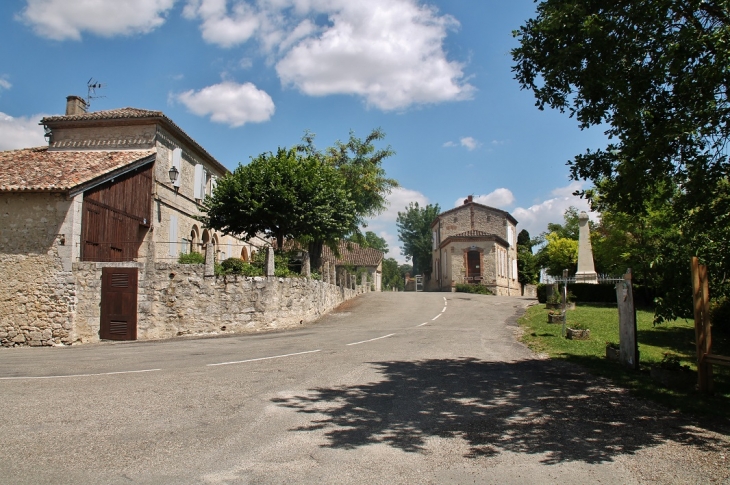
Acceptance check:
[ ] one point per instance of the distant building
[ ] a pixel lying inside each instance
(475, 244)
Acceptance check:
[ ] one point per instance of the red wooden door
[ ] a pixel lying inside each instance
(118, 304)
(474, 274)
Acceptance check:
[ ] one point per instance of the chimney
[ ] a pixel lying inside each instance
(75, 105)
(469, 199)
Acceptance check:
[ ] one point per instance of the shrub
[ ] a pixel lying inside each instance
(239, 267)
(720, 314)
(467, 288)
(191, 258)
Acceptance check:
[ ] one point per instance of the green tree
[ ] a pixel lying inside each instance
(391, 275)
(283, 195)
(655, 73)
(414, 231)
(370, 240)
(559, 253)
(360, 163)
(528, 271)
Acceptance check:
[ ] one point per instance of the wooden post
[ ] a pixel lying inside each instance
(629, 348)
(564, 299)
(703, 337)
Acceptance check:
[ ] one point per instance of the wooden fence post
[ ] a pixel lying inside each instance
(629, 348)
(703, 337)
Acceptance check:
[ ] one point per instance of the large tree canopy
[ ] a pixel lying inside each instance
(283, 195)
(414, 230)
(657, 72)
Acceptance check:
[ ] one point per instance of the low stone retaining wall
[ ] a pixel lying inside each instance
(173, 300)
(177, 299)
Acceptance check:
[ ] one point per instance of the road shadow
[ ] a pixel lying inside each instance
(534, 407)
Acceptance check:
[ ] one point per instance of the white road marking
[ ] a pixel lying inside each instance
(421, 325)
(446, 303)
(81, 375)
(443, 310)
(265, 358)
(434, 318)
(372, 339)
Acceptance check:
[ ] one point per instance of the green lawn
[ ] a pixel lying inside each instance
(654, 341)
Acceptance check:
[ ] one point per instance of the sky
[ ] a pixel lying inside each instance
(244, 77)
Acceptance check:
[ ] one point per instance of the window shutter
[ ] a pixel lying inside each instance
(199, 182)
(177, 163)
(510, 235)
(514, 269)
(173, 235)
(213, 183)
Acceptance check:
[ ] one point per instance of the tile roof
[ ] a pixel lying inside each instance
(38, 169)
(472, 233)
(352, 253)
(132, 114)
(476, 204)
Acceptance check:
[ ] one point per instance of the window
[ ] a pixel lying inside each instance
(177, 163)
(173, 235)
(200, 182)
(185, 246)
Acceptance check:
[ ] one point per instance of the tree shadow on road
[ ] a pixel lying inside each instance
(534, 407)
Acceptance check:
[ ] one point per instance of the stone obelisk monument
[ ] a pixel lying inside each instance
(586, 269)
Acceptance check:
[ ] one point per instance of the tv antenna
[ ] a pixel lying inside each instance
(91, 87)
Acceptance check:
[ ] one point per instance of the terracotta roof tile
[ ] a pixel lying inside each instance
(131, 114)
(352, 253)
(38, 169)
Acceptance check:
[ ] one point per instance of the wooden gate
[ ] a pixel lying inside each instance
(118, 304)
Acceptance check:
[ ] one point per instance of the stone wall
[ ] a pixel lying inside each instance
(177, 299)
(37, 292)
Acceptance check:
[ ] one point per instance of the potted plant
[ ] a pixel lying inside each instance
(570, 304)
(613, 351)
(553, 301)
(576, 332)
(555, 316)
(670, 372)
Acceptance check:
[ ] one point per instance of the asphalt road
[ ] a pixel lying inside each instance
(390, 388)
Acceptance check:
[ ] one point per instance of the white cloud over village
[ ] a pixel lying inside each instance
(536, 217)
(500, 198)
(468, 142)
(64, 20)
(21, 132)
(229, 103)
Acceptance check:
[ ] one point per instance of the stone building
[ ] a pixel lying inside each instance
(355, 258)
(475, 244)
(101, 191)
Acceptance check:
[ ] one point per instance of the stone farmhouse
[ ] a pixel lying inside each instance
(120, 189)
(475, 244)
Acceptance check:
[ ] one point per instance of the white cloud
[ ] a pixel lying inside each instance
(223, 26)
(21, 132)
(4, 84)
(499, 198)
(64, 19)
(230, 103)
(385, 224)
(469, 142)
(449, 144)
(536, 217)
(398, 200)
(388, 52)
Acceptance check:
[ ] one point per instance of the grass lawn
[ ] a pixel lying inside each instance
(654, 341)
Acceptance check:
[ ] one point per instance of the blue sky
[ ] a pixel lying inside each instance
(243, 77)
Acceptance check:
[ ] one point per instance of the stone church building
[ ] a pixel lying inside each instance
(475, 244)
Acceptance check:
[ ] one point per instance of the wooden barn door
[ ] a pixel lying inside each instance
(118, 304)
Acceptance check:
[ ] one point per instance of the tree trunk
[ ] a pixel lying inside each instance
(315, 254)
(279, 241)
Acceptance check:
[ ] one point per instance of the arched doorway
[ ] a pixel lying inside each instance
(244, 254)
(194, 239)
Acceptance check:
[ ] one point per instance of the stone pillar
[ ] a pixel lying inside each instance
(209, 260)
(586, 269)
(326, 272)
(269, 265)
(306, 269)
(333, 274)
